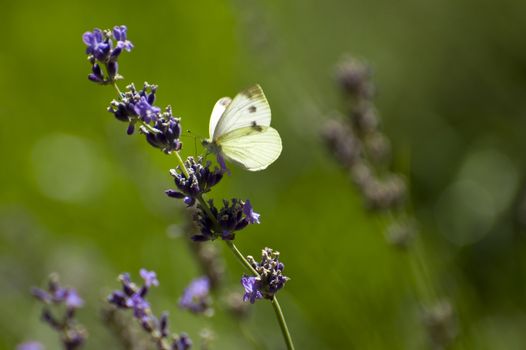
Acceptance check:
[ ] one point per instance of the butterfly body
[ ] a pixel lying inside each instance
(240, 131)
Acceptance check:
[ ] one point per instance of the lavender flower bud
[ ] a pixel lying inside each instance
(353, 77)
(163, 324)
(113, 67)
(200, 179)
(182, 342)
(440, 322)
(401, 233)
(341, 141)
(225, 222)
(168, 131)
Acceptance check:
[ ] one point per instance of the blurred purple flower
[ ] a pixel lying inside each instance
(73, 300)
(149, 277)
(182, 342)
(196, 297)
(30, 345)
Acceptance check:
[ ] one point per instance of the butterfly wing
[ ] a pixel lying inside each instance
(217, 112)
(252, 148)
(250, 107)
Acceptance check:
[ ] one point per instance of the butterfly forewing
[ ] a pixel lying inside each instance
(252, 149)
(249, 108)
(217, 112)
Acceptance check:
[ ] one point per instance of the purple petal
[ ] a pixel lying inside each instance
(73, 300)
(221, 162)
(87, 38)
(250, 214)
(149, 277)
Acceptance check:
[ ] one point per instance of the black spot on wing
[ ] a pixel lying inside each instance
(255, 126)
(252, 109)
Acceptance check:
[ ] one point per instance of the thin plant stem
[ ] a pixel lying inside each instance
(241, 258)
(282, 323)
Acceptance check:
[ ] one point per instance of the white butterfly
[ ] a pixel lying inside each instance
(240, 131)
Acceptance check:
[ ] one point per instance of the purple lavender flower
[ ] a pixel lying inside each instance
(133, 297)
(146, 111)
(149, 277)
(162, 130)
(251, 290)
(101, 51)
(119, 33)
(200, 180)
(167, 130)
(250, 214)
(183, 342)
(221, 161)
(235, 215)
(270, 279)
(196, 297)
(30, 345)
(58, 295)
(223, 224)
(98, 45)
(125, 109)
(96, 74)
(72, 299)
(72, 335)
(139, 305)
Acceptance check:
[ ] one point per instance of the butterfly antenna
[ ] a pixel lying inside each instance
(189, 133)
(195, 147)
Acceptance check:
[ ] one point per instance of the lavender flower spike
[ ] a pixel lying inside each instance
(270, 277)
(133, 297)
(72, 334)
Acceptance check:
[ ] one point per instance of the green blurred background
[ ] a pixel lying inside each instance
(81, 198)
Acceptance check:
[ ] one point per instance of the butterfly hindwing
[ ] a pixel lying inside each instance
(252, 148)
(249, 107)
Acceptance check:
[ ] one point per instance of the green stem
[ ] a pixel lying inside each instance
(241, 258)
(181, 163)
(282, 324)
(117, 88)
